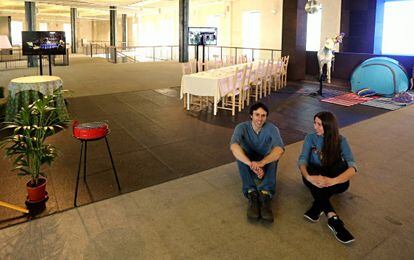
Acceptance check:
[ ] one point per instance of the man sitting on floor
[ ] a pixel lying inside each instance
(257, 146)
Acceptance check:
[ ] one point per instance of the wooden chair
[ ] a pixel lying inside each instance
(229, 60)
(202, 66)
(256, 86)
(193, 64)
(284, 70)
(277, 74)
(186, 68)
(218, 64)
(198, 101)
(241, 59)
(246, 85)
(267, 78)
(231, 94)
(262, 78)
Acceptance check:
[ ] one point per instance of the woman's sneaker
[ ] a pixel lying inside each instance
(339, 230)
(313, 214)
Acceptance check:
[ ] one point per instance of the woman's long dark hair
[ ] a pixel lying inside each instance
(331, 150)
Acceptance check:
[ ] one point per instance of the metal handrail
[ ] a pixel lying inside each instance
(120, 53)
(172, 48)
(17, 60)
(236, 48)
(13, 56)
(94, 47)
(154, 49)
(165, 52)
(112, 53)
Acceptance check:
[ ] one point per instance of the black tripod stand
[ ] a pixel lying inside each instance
(322, 78)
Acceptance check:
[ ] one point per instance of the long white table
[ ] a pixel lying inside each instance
(208, 83)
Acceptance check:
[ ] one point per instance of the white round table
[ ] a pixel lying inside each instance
(43, 84)
(24, 90)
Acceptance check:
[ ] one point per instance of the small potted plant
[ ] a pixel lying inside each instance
(27, 147)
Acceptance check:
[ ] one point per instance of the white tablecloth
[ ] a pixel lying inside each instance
(208, 83)
(44, 84)
(38, 84)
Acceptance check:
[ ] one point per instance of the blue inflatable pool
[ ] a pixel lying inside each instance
(383, 75)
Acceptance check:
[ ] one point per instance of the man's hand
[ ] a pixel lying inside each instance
(259, 173)
(257, 169)
(261, 164)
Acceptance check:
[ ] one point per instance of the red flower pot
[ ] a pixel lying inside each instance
(36, 193)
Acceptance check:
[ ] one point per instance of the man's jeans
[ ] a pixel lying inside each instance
(249, 178)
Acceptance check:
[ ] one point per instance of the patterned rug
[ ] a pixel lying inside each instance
(347, 100)
(327, 92)
(386, 103)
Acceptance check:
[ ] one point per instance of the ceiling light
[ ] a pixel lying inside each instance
(312, 6)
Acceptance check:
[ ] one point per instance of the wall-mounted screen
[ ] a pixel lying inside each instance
(202, 35)
(43, 43)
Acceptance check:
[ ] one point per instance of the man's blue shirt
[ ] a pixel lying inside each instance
(257, 146)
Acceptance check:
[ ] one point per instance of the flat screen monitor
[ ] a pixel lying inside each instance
(202, 35)
(44, 43)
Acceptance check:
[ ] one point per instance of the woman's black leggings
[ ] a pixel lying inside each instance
(322, 195)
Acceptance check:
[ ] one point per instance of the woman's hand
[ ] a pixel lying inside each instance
(317, 180)
(328, 182)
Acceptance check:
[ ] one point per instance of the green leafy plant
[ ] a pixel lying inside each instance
(26, 146)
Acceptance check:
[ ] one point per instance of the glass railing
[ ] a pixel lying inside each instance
(15, 59)
(171, 52)
(252, 54)
(120, 54)
(14, 54)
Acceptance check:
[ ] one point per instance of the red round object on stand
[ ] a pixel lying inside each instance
(90, 131)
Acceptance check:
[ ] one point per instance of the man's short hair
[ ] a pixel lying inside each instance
(258, 105)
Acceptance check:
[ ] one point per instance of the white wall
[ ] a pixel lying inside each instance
(158, 29)
(229, 15)
(331, 19)
(199, 16)
(152, 30)
(84, 30)
(271, 22)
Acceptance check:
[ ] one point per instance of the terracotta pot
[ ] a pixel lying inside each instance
(37, 193)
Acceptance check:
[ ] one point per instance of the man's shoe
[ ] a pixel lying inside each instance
(339, 230)
(266, 206)
(314, 213)
(253, 211)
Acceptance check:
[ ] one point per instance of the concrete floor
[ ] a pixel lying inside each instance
(151, 130)
(203, 215)
(95, 76)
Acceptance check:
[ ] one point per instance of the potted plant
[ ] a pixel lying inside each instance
(27, 147)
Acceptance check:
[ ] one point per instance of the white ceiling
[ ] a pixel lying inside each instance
(91, 8)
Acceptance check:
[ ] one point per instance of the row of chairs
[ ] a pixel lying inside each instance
(194, 66)
(245, 84)
(190, 66)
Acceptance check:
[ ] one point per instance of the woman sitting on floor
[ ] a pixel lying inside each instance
(326, 164)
